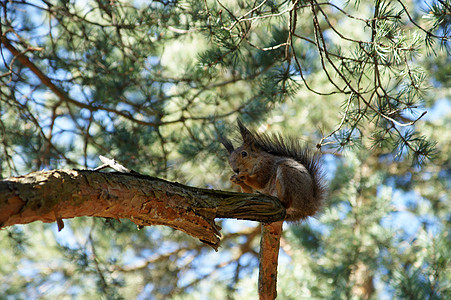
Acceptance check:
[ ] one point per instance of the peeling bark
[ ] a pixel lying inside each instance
(50, 196)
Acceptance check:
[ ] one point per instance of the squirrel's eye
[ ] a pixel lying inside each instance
(244, 154)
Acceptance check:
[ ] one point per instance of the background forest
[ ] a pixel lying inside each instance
(154, 83)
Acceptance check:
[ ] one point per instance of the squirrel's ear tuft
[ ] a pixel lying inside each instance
(248, 137)
(227, 144)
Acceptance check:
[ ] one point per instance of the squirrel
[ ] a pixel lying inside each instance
(280, 167)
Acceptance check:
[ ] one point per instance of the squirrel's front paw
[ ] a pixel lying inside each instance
(240, 177)
(235, 179)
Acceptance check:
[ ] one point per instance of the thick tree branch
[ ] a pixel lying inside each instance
(50, 196)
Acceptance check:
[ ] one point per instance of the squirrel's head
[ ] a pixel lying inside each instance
(244, 157)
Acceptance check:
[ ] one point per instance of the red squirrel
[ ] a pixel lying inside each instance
(279, 167)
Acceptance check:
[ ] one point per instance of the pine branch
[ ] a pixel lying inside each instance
(62, 95)
(50, 196)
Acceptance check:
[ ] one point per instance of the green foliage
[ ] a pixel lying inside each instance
(153, 84)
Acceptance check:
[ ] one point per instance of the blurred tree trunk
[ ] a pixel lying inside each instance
(361, 276)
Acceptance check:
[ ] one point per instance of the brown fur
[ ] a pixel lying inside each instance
(271, 165)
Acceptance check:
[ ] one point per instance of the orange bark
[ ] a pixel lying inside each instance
(269, 254)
